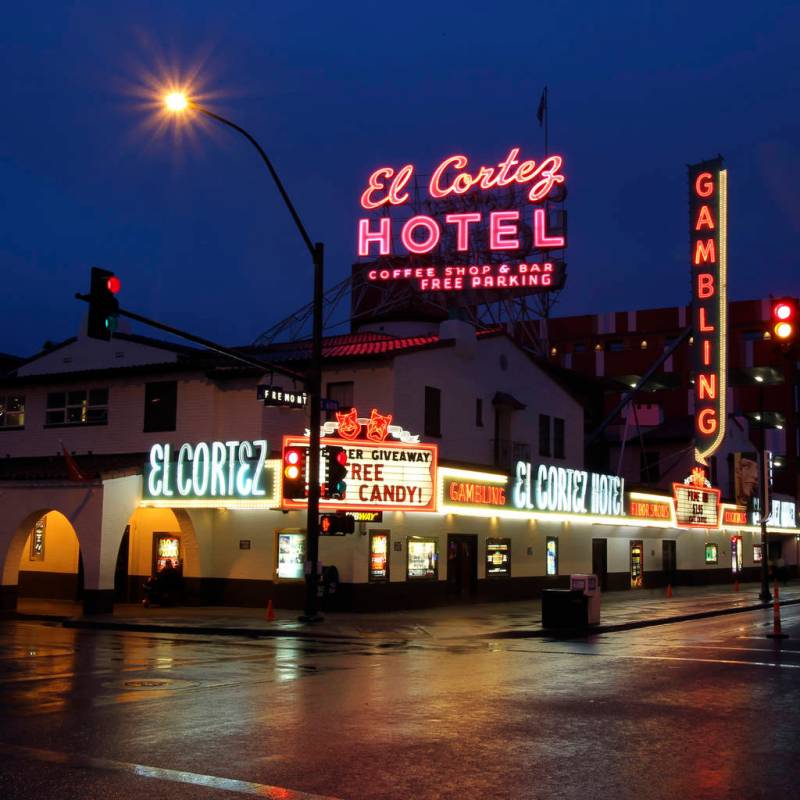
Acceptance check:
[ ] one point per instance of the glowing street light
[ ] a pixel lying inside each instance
(176, 102)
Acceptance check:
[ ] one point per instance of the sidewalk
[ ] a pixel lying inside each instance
(620, 611)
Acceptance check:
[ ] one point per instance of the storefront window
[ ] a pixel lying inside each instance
(712, 553)
(498, 558)
(423, 559)
(291, 556)
(379, 556)
(552, 555)
(12, 411)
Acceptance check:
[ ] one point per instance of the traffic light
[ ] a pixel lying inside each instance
(784, 319)
(336, 471)
(332, 524)
(294, 472)
(103, 305)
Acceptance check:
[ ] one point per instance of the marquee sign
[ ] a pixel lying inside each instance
(697, 503)
(472, 228)
(385, 476)
(708, 221)
(572, 491)
(209, 473)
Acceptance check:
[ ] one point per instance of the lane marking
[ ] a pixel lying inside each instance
(159, 773)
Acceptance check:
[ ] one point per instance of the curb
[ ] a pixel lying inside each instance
(318, 633)
(572, 633)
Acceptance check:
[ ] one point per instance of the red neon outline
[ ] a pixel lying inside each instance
(540, 238)
(302, 441)
(383, 236)
(688, 487)
(434, 234)
(462, 221)
(707, 386)
(700, 421)
(497, 230)
(378, 426)
(705, 285)
(704, 218)
(708, 185)
(705, 251)
(396, 185)
(352, 427)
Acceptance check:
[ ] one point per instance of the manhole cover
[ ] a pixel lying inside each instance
(144, 684)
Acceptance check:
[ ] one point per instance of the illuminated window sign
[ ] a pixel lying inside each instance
(551, 553)
(379, 556)
(498, 558)
(712, 553)
(390, 476)
(697, 504)
(209, 471)
(367, 516)
(291, 556)
(708, 221)
(651, 509)
(474, 492)
(572, 491)
(782, 514)
(167, 548)
(485, 227)
(423, 559)
(734, 516)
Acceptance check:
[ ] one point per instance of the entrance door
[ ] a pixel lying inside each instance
(600, 562)
(668, 560)
(637, 565)
(462, 566)
(121, 570)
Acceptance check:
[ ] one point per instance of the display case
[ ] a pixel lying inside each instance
(378, 556)
(498, 558)
(290, 555)
(422, 559)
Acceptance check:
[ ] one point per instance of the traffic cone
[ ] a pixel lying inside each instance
(777, 633)
(270, 612)
(669, 591)
(736, 586)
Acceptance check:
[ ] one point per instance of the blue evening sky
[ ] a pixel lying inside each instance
(197, 232)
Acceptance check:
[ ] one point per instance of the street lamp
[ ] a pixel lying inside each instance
(177, 102)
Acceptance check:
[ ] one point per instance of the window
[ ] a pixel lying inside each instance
(616, 346)
(579, 347)
(756, 553)
(423, 559)
(160, 406)
(77, 407)
(12, 411)
(479, 412)
(291, 556)
(648, 466)
(552, 555)
(712, 553)
(433, 411)
(753, 336)
(544, 434)
(558, 437)
(342, 393)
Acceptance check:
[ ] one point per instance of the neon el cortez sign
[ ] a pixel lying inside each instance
(421, 234)
(708, 236)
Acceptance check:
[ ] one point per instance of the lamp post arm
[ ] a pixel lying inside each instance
(265, 158)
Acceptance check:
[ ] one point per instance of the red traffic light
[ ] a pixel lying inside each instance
(784, 324)
(114, 284)
(341, 457)
(325, 523)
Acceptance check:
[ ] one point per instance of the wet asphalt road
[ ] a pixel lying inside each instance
(706, 709)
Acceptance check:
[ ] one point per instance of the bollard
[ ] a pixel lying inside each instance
(777, 633)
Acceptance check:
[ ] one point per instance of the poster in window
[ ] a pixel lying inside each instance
(291, 556)
(757, 553)
(498, 558)
(167, 548)
(379, 556)
(552, 555)
(423, 559)
(711, 553)
(37, 540)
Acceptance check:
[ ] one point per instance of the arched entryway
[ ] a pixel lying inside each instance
(152, 536)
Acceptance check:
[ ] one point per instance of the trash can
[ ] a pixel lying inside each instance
(564, 609)
(590, 586)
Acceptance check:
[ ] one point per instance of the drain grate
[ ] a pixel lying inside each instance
(145, 684)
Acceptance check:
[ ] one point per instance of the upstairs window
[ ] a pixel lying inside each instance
(342, 393)
(77, 407)
(12, 411)
(479, 413)
(558, 437)
(544, 435)
(616, 346)
(160, 406)
(433, 411)
(649, 467)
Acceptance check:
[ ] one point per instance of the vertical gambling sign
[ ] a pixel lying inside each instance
(708, 222)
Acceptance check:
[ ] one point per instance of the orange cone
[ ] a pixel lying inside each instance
(270, 612)
(736, 586)
(777, 633)
(669, 591)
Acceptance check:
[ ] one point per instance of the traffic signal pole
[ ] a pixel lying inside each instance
(764, 595)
